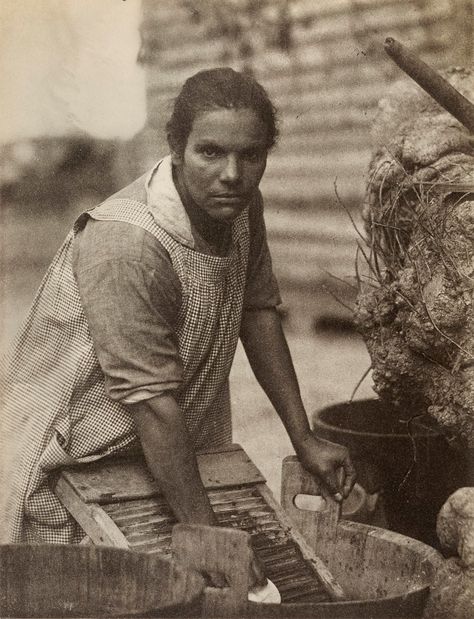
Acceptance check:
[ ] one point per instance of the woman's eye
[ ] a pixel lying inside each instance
(252, 155)
(210, 152)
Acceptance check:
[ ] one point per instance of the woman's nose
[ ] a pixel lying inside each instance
(231, 170)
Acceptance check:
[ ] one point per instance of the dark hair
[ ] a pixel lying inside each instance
(218, 88)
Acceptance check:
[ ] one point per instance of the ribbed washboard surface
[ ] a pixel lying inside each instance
(147, 524)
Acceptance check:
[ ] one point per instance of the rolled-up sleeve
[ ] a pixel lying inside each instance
(131, 297)
(261, 289)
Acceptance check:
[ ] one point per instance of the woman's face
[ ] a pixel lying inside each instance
(223, 161)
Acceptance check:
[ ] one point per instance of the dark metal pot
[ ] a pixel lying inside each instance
(410, 463)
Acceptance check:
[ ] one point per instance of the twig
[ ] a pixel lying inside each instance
(370, 265)
(407, 301)
(356, 268)
(341, 203)
(339, 279)
(329, 291)
(359, 382)
(408, 422)
(431, 360)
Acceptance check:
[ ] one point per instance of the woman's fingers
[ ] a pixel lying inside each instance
(331, 483)
(331, 464)
(338, 483)
(214, 579)
(257, 575)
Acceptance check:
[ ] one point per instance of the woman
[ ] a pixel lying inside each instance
(133, 331)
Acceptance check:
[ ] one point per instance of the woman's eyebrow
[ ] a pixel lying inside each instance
(209, 143)
(206, 142)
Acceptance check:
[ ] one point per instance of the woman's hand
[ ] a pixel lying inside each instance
(330, 463)
(257, 576)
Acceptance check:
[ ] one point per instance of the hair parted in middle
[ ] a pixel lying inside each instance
(218, 88)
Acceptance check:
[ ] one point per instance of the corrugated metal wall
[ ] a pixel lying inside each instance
(323, 64)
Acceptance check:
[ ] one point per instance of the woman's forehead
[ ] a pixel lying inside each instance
(225, 126)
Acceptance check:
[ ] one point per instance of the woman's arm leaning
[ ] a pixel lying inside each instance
(269, 356)
(171, 458)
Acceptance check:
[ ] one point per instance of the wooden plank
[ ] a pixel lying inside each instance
(205, 50)
(414, 32)
(300, 264)
(340, 55)
(117, 479)
(336, 120)
(147, 525)
(173, 28)
(314, 525)
(100, 528)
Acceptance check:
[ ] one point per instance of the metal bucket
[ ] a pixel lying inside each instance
(93, 581)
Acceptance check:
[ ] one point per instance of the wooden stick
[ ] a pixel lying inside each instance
(431, 81)
(100, 527)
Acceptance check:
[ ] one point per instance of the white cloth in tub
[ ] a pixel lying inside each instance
(267, 594)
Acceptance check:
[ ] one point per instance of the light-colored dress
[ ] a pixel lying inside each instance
(56, 411)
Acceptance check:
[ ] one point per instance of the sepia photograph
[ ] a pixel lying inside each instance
(236, 308)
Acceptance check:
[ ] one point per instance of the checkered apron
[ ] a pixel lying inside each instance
(55, 409)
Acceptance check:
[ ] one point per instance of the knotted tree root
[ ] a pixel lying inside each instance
(415, 302)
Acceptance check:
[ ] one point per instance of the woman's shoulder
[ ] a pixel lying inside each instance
(108, 240)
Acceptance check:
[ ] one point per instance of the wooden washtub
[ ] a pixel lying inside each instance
(93, 581)
(382, 574)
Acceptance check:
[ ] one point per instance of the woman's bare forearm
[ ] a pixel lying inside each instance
(268, 354)
(171, 458)
(270, 359)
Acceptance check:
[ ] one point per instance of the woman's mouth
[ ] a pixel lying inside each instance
(230, 198)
